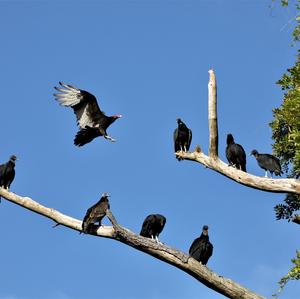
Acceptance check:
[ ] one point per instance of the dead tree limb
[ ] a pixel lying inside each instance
(213, 162)
(167, 254)
(212, 115)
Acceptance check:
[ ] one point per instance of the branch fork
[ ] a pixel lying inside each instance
(163, 252)
(213, 161)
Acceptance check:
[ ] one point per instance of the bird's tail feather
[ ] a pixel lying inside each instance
(85, 136)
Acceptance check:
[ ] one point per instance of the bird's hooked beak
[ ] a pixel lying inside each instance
(105, 194)
(14, 158)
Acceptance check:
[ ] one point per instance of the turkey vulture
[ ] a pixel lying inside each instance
(7, 173)
(182, 138)
(201, 249)
(235, 154)
(268, 162)
(91, 120)
(95, 213)
(153, 226)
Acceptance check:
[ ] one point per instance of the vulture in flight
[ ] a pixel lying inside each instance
(90, 119)
(235, 154)
(95, 214)
(7, 173)
(182, 138)
(201, 249)
(153, 226)
(268, 162)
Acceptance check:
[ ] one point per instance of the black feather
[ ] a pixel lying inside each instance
(95, 214)
(268, 162)
(153, 226)
(182, 137)
(235, 154)
(7, 173)
(92, 121)
(201, 248)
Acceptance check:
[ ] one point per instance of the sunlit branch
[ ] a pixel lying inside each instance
(162, 252)
(213, 162)
(212, 115)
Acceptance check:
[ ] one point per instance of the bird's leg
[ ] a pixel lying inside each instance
(185, 148)
(266, 174)
(109, 138)
(158, 242)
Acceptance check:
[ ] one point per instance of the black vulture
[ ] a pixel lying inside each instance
(153, 226)
(7, 173)
(268, 162)
(91, 120)
(235, 154)
(182, 138)
(201, 249)
(95, 213)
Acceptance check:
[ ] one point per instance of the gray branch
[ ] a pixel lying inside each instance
(167, 254)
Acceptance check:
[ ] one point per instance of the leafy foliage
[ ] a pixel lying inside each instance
(286, 124)
(293, 274)
(296, 32)
(286, 135)
(286, 211)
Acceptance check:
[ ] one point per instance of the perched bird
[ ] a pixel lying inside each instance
(153, 226)
(268, 162)
(91, 120)
(7, 173)
(95, 213)
(235, 154)
(182, 138)
(201, 249)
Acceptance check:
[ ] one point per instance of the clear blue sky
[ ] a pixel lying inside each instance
(147, 60)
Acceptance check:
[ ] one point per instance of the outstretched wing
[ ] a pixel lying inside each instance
(84, 104)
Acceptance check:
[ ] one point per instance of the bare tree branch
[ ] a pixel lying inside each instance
(213, 162)
(212, 115)
(162, 252)
(244, 178)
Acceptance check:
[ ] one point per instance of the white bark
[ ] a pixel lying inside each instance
(212, 115)
(163, 252)
(213, 162)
